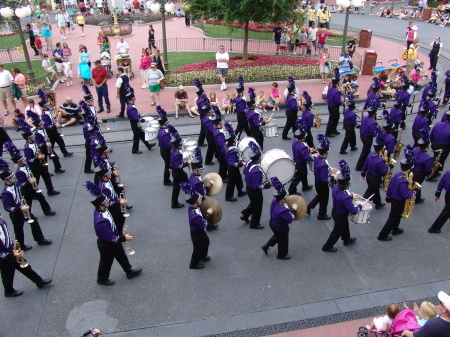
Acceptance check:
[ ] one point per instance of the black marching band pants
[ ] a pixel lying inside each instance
(165, 154)
(201, 136)
(18, 221)
(340, 229)
(200, 242)
(291, 118)
(349, 138)
(322, 196)
(373, 187)
(8, 267)
(258, 135)
(40, 170)
(419, 177)
(55, 137)
(367, 145)
(445, 150)
(280, 236)
(138, 134)
(445, 214)
(211, 149)
(255, 206)
(395, 216)
(300, 175)
(108, 252)
(234, 180)
(179, 175)
(333, 120)
(29, 193)
(242, 124)
(88, 160)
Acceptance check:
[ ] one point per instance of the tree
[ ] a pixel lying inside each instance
(243, 12)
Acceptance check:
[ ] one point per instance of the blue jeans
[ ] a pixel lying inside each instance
(102, 92)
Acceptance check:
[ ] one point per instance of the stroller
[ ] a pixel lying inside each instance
(105, 59)
(85, 73)
(405, 320)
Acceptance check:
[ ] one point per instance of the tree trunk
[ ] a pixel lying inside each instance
(245, 47)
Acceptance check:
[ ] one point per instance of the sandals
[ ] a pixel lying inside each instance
(154, 103)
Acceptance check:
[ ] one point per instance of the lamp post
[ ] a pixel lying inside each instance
(346, 5)
(163, 7)
(17, 14)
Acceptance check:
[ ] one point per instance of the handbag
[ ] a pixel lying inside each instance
(327, 64)
(162, 83)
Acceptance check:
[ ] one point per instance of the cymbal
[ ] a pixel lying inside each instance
(217, 210)
(301, 210)
(216, 181)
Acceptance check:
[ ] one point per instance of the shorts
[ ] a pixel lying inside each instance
(59, 67)
(271, 101)
(6, 93)
(62, 26)
(320, 46)
(283, 48)
(222, 72)
(302, 44)
(277, 42)
(68, 24)
(314, 42)
(297, 41)
(81, 25)
(324, 69)
(83, 9)
(50, 70)
(155, 88)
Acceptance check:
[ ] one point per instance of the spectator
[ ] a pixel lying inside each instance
(151, 38)
(312, 36)
(100, 77)
(345, 63)
(84, 55)
(122, 47)
(122, 80)
(435, 327)
(99, 4)
(384, 323)
(222, 59)
(411, 35)
(324, 65)
(146, 60)
(31, 33)
(70, 111)
(38, 44)
(18, 85)
(82, 7)
(106, 45)
(322, 39)
(284, 42)
(47, 35)
(351, 46)
(412, 56)
(302, 38)
(226, 105)
(33, 107)
(45, 18)
(261, 101)
(61, 22)
(182, 102)
(136, 6)
(277, 30)
(159, 60)
(17, 115)
(80, 22)
(426, 311)
(100, 40)
(47, 65)
(155, 76)
(6, 80)
(436, 47)
(67, 71)
(416, 77)
(322, 18)
(274, 97)
(311, 13)
(233, 103)
(58, 57)
(385, 88)
(67, 52)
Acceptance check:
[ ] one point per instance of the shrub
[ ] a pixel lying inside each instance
(105, 19)
(31, 90)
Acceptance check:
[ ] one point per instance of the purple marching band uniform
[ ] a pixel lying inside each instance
(219, 140)
(200, 108)
(165, 145)
(208, 125)
(423, 162)
(200, 240)
(291, 109)
(241, 105)
(89, 127)
(367, 132)
(420, 122)
(135, 117)
(177, 165)
(349, 125)
(372, 96)
(334, 102)
(440, 139)
(444, 184)
(308, 118)
(255, 120)
(234, 162)
(195, 178)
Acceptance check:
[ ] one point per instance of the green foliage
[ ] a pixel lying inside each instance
(31, 90)
(181, 58)
(433, 4)
(10, 41)
(218, 31)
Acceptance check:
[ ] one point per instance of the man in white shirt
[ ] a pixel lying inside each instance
(222, 59)
(5, 88)
(312, 36)
(45, 17)
(62, 23)
(99, 4)
(122, 47)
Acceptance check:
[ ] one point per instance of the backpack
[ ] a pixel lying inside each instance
(405, 55)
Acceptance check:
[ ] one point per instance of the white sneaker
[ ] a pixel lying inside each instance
(224, 86)
(143, 86)
(82, 35)
(68, 84)
(71, 83)
(221, 86)
(65, 38)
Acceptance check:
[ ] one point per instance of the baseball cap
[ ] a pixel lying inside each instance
(181, 87)
(445, 299)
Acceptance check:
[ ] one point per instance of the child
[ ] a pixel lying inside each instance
(308, 48)
(67, 69)
(261, 100)
(426, 311)
(384, 323)
(284, 42)
(346, 84)
(47, 65)
(38, 44)
(226, 104)
(274, 97)
(354, 85)
(17, 115)
(232, 103)
(67, 52)
(213, 98)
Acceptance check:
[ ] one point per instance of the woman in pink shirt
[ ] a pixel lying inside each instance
(19, 81)
(146, 61)
(274, 97)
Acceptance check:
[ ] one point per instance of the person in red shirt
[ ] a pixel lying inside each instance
(100, 76)
(136, 5)
(321, 39)
(38, 44)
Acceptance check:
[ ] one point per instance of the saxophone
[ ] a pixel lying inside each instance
(318, 119)
(436, 164)
(388, 176)
(398, 146)
(409, 204)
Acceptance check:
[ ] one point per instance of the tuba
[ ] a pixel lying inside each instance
(409, 204)
(436, 164)
(26, 213)
(398, 146)
(388, 176)
(20, 260)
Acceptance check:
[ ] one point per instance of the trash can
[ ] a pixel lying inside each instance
(370, 59)
(426, 13)
(365, 37)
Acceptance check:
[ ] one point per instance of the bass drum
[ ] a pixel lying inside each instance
(277, 163)
(244, 147)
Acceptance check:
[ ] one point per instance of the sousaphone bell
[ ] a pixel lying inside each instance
(301, 210)
(216, 208)
(216, 181)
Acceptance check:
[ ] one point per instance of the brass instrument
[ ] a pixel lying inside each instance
(436, 164)
(409, 204)
(117, 177)
(49, 149)
(123, 208)
(318, 119)
(26, 213)
(127, 244)
(20, 260)
(35, 185)
(41, 157)
(398, 146)
(388, 176)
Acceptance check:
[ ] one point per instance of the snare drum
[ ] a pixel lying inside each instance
(364, 214)
(150, 133)
(277, 163)
(244, 147)
(187, 155)
(271, 130)
(190, 145)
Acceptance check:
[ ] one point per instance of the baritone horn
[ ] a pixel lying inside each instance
(123, 207)
(26, 212)
(20, 260)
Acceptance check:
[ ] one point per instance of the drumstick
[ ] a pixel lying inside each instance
(270, 117)
(368, 199)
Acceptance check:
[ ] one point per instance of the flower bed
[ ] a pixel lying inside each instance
(254, 61)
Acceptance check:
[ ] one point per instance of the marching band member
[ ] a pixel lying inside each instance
(440, 140)
(420, 122)
(12, 203)
(323, 175)
(430, 105)
(373, 95)
(241, 106)
(50, 124)
(234, 162)
(342, 207)
(31, 151)
(280, 218)
(25, 181)
(208, 126)
(423, 162)
(45, 141)
(396, 195)
(109, 240)
(374, 169)
(396, 115)
(200, 103)
(291, 109)
(431, 84)
(334, 102)
(308, 118)
(176, 166)
(195, 179)
(135, 117)
(89, 127)
(444, 184)
(197, 223)
(89, 101)
(165, 145)
(255, 120)
(389, 139)
(404, 97)
(254, 178)
(349, 125)
(9, 264)
(219, 140)
(367, 132)
(301, 155)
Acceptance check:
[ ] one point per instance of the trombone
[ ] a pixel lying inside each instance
(20, 260)
(127, 244)
(123, 208)
(26, 212)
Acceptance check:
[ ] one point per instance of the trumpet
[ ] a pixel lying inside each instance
(117, 177)
(20, 260)
(41, 157)
(123, 208)
(49, 149)
(35, 185)
(127, 244)
(26, 212)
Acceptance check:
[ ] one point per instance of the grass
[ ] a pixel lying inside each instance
(39, 72)
(11, 41)
(180, 58)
